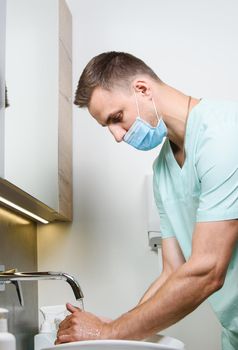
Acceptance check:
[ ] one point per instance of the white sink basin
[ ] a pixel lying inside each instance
(157, 342)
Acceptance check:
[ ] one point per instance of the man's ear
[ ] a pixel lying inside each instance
(142, 87)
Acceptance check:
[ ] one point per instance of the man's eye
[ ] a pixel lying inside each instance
(117, 118)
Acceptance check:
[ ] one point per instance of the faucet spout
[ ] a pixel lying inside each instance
(12, 276)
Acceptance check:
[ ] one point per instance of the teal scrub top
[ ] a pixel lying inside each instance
(204, 189)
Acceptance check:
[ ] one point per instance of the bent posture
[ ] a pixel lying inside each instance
(195, 188)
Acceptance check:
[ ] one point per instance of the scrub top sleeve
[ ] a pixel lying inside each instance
(217, 171)
(165, 226)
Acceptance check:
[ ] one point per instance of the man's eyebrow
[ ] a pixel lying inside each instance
(110, 118)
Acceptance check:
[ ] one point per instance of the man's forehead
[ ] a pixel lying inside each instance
(99, 93)
(100, 97)
(103, 100)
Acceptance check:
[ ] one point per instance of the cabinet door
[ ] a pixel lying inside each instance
(37, 156)
(2, 80)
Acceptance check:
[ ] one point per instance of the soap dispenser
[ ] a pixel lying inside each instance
(7, 340)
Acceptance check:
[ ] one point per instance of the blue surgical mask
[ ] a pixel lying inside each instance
(142, 135)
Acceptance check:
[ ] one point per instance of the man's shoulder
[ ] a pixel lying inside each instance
(211, 110)
(211, 118)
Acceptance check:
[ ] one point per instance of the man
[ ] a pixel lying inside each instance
(195, 188)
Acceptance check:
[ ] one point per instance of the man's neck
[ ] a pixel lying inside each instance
(174, 107)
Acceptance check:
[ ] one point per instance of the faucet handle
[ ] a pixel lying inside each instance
(10, 271)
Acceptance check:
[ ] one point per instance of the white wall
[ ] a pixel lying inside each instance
(192, 46)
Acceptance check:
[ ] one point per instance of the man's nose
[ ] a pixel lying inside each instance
(117, 131)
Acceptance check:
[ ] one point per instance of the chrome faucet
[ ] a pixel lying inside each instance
(12, 276)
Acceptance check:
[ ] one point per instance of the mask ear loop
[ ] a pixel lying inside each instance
(138, 111)
(158, 118)
(137, 105)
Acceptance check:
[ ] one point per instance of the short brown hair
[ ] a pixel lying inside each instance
(107, 70)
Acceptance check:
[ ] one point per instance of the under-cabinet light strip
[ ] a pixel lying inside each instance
(27, 212)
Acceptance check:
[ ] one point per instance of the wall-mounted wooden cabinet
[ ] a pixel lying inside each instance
(36, 128)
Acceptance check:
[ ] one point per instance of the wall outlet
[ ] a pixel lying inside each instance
(2, 284)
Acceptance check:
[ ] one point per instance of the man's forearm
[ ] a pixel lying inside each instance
(183, 291)
(154, 287)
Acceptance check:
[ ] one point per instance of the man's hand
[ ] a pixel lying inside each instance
(80, 325)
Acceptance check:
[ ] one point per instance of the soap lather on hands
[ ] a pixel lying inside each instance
(80, 325)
